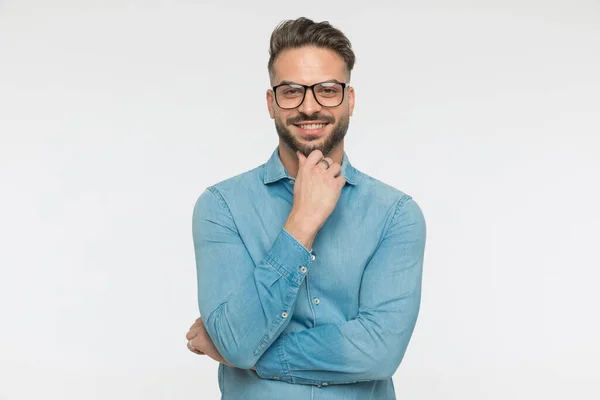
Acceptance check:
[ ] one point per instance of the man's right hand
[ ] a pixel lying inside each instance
(316, 193)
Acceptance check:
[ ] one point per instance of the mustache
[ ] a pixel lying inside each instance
(306, 118)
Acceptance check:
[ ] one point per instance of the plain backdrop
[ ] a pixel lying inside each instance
(115, 115)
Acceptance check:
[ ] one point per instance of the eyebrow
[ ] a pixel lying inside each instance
(296, 83)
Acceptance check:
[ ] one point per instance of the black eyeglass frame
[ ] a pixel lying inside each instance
(306, 87)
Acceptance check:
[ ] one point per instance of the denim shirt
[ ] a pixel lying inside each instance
(332, 322)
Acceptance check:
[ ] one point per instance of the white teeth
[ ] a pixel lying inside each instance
(312, 126)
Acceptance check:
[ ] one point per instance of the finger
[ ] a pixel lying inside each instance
(193, 349)
(197, 322)
(334, 170)
(192, 333)
(314, 157)
(197, 344)
(301, 158)
(325, 165)
(342, 180)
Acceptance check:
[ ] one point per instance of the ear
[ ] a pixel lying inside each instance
(351, 99)
(271, 103)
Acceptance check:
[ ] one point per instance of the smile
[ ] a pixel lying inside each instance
(311, 129)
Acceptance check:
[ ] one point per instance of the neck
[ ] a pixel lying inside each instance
(289, 159)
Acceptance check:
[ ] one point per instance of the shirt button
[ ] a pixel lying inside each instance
(316, 301)
(312, 257)
(292, 182)
(284, 314)
(303, 269)
(324, 383)
(276, 378)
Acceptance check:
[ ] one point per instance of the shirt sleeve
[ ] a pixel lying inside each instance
(372, 345)
(244, 305)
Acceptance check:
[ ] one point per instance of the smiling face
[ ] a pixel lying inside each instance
(311, 126)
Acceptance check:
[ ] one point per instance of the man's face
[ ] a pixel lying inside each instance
(296, 127)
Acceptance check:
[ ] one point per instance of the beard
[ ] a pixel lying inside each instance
(331, 141)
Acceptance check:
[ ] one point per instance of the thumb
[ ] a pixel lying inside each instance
(301, 157)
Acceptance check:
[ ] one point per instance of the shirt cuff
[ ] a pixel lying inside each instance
(273, 364)
(289, 257)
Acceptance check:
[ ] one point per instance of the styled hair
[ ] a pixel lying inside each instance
(292, 34)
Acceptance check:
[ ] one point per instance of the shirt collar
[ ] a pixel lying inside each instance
(275, 171)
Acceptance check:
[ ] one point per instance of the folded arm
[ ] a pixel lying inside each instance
(370, 346)
(244, 305)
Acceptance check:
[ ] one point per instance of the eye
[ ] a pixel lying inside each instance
(290, 91)
(329, 89)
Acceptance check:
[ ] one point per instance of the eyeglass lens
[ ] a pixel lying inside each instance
(327, 94)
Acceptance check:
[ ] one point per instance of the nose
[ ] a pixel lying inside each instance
(309, 105)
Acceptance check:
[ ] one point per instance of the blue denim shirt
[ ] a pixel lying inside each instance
(332, 322)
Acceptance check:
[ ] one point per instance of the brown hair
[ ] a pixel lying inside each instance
(301, 32)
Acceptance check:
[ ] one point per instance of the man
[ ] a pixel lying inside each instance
(309, 271)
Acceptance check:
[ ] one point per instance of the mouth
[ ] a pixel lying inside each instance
(312, 128)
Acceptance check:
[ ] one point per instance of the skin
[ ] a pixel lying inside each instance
(317, 188)
(308, 65)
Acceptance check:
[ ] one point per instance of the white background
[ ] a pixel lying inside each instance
(115, 115)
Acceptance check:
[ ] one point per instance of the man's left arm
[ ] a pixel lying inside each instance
(372, 345)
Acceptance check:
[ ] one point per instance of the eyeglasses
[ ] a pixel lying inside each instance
(291, 95)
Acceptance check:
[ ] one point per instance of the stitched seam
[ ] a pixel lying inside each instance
(350, 175)
(271, 180)
(290, 275)
(284, 361)
(267, 336)
(401, 201)
(310, 303)
(295, 241)
(219, 197)
(223, 202)
(277, 324)
(276, 265)
(397, 206)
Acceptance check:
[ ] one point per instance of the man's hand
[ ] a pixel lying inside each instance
(316, 194)
(200, 343)
(192, 333)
